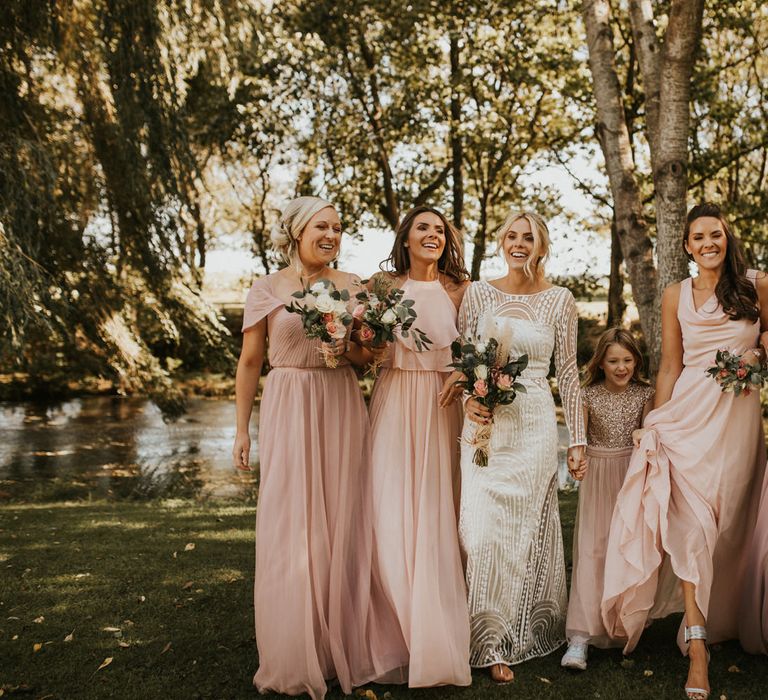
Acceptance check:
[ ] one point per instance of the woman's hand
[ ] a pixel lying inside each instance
(754, 356)
(241, 452)
(337, 347)
(637, 436)
(476, 412)
(450, 392)
(577, 462)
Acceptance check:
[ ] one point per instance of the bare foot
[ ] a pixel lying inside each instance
(500, 673)
(698, 676)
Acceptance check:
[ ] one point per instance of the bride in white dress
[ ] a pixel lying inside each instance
(509, 523)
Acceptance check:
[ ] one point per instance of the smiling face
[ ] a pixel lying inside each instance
(518, 245)
(426, 238)
(707, 242)
(320, 240)
(619, 366)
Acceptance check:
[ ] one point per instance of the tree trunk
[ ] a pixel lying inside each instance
(478, 244)
(670, 172)
(457, 155)
(616, 304)
(613, 135)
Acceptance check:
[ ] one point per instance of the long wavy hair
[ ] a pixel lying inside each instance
(451, 261)
(736, 294)
(594, 373)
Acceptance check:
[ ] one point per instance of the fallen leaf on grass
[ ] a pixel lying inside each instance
(123, 645)
(187, 585)
(367, 694)
(189, 546)
(128, 623)
(734, 669)
(81, 575)
(545, 680)
(647, 673)
(15, 637)
(165, 648)
(110, 629)
(104, 664)
(175, 554)
(70, 636)
(39, 620)
(37, 647)
(142, 598)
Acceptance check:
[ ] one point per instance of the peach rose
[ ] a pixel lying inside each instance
(741, 373)
(336, 330)
(481, 388)
(366, 334)
(359, 311)
(504, 382)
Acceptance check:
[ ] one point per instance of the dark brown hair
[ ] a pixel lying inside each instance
(451, 261)
(593, 372)
(736, 294)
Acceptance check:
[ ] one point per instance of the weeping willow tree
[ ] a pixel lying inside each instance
(102, 240)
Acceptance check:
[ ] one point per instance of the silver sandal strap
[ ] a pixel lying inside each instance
(695, 632)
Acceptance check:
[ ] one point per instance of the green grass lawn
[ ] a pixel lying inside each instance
(163, 589)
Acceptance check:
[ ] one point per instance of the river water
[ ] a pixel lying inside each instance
(111, 447)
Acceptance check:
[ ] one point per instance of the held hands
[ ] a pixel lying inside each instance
(637, 436)
(450, 392)
(577, 462)
(476, 412)
(337, 347)
(241, 452)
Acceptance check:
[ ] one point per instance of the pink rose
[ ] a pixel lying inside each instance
(366, 334)
(481, 388)
(741, 373)
(359, 311)
(504, 382)
(335, 330)
(723, 373)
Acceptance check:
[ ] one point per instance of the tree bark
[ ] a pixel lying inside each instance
(457, 154)
(670, 164)
(616, 304)
(631, 228)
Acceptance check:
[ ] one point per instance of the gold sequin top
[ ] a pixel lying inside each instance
(613, 417)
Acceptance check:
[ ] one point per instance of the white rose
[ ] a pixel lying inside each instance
(341, 331)
(324, 304)
(340, 307)
(309, 302)
(481, 372)
(389, 317)
(481, 348)
(317, 287)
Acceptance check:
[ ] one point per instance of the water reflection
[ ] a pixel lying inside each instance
(118, 448)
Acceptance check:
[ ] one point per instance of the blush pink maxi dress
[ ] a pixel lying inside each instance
(319, 612)
(688, 505)
(415, 469)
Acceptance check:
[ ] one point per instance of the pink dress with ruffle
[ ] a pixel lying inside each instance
(415, 479)
(689, 500)
(319, 611)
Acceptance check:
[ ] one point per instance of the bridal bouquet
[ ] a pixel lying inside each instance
(381, 313)
(324, 315)
(490, 378)
(732, 373)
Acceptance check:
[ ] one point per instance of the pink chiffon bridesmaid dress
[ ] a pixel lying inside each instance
(415, 479)
(319, 611)
(689, 501)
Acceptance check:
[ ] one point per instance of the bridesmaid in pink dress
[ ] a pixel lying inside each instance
(688, 504)
(318, 612)
(416, 457)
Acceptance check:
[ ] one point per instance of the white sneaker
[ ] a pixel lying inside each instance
(576, 656)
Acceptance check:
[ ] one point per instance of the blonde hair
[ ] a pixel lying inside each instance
(296, 215)
(534, 266)
(594, 374)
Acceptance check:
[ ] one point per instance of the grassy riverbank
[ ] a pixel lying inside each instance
(163, 589)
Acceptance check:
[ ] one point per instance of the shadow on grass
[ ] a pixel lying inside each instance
(164, 589)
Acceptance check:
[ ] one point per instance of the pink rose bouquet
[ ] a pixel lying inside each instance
(324, 315)
(381, 313)
(735, 374)
(490, 379)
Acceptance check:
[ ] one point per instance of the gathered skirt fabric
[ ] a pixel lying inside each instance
(318, 614)
(415, 479)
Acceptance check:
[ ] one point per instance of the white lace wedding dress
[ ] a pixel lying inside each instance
(509, 524)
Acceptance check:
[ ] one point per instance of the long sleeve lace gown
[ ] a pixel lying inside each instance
(509, 522)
